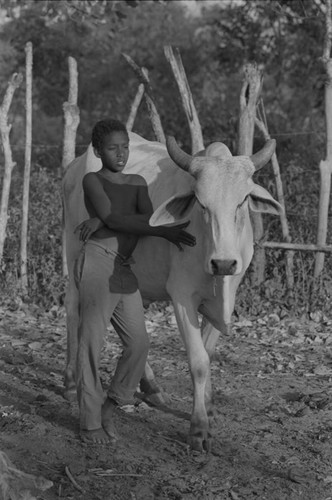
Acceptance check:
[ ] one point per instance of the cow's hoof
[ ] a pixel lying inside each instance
(151, 393)
(158, 398)
(148, 386)
(70, 395)
(200, 442)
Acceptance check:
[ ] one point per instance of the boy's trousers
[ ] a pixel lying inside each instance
(108, 291)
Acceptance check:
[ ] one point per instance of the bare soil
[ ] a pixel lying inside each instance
(272, 429)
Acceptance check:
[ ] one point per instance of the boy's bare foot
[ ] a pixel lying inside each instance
(107, 418)
(96, 436)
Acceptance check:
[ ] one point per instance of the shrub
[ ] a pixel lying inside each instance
(46, 285)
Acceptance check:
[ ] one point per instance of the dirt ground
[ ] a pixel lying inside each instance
(272, 431)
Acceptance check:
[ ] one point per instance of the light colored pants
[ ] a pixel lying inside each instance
(108, 291)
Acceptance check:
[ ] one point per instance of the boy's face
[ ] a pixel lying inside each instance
(114, 152)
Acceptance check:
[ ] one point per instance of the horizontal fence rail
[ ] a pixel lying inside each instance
(296, 246)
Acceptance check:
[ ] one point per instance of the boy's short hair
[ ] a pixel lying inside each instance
(103, 128)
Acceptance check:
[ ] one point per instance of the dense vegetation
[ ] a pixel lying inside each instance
(285, 38)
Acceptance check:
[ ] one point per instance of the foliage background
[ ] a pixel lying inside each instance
(285, 38)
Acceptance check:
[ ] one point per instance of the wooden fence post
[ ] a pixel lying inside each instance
(250, 91)
(175, 61)
(71, 115)
(13, 84)
(27, 168)
(325, 166)
(72, 120)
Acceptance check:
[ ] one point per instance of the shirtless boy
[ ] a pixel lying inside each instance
(119, 207)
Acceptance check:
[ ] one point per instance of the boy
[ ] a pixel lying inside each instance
(120, 208)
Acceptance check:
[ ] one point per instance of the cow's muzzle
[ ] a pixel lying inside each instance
(224, 267)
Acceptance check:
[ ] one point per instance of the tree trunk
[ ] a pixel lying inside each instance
(248, 101)
(174, 59)
(72, 120)
(13, 84)
(27, 168)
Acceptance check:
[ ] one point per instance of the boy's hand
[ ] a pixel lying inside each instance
(88, 227)
(178, 236)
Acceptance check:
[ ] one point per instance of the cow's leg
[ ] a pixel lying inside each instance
(151, 392)
(199, 365)
(210, 337)
(72, 314)
(218, 312)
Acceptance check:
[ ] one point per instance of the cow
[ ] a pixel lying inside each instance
(215, 191)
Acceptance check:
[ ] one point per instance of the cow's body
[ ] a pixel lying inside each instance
(203, 278)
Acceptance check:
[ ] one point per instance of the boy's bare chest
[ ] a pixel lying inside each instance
(123, 197)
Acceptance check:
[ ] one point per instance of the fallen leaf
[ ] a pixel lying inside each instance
(35, 345)
(322, 370)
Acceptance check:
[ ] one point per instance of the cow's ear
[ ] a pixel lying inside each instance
(260, 200)
(173, 210)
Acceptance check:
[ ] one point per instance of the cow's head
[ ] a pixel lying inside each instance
(225, 191)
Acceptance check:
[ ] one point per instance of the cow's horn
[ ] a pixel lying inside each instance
(182, 159)
(261, 158)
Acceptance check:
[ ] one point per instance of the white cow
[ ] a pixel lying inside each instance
(215, 191)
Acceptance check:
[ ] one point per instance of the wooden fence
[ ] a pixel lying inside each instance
(252, 114)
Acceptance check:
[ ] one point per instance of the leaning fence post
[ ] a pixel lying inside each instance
(142, 74)
(262, 125)
(175, 61)
(134, 107)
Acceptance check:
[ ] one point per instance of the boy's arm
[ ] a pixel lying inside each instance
(175, 234)
(135, 223)
(102, 205)
(144, 207)
(88, 227)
